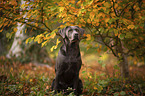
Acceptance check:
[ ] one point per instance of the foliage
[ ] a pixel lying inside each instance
(29, 79)
(117, 24)
(114, 22)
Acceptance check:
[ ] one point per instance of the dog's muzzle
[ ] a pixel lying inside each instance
(76, 36)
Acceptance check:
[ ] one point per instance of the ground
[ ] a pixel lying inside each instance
(98, 79)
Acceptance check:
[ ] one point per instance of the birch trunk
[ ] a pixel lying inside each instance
(16, 49)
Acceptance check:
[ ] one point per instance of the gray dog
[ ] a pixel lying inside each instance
(68, 62)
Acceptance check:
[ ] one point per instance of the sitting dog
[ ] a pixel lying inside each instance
(68, 62)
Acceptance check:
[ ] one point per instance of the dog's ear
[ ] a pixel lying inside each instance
(81, 30)
(62, 32)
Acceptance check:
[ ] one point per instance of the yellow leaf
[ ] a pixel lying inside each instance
(89, 75)
(57, 42)
(11, 70)
(107, 19)
(53, 35)
(31, 80)
(88, 37)
(29, 40)
(95, 88)
(23, 6)
(52, 48)
(15, 29)
(107, 5)
(119, 54)
(39, 40)
(36, 24)
(43, 43)
(61, 9)
(92, 15)
(25, 30)
(130, 27)
(1, 30)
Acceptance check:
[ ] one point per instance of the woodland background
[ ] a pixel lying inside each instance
(112, 47)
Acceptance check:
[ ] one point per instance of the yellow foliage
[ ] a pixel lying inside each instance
(53, 35)
(23, 6)
(88, 37)
(54, 47)
(130, 27)
(107, 19)
(61, 9)
(107, 5)
(31, 80)
(95, 88)
(43, 43)
(92, 14)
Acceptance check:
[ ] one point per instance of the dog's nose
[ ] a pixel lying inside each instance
(76, 35)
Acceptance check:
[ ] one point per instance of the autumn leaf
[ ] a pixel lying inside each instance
(23, 6)
(130, 27)
(29, 40)
(15, 29)
(44, 43)
(61, 9)
(88, 37)
(92, 15)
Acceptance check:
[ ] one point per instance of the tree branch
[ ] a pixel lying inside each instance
(25, 23)
(108, 46)
(115, 9)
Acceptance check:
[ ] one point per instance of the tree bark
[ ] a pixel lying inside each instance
(16, 49)
(123, 63)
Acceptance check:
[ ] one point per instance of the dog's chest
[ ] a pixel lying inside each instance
(70, 70)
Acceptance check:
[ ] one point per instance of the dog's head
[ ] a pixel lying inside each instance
(72, 33)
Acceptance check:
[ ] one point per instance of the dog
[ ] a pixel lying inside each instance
(68, 61)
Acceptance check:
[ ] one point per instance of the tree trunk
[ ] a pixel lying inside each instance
(123, 63)
(16, 49)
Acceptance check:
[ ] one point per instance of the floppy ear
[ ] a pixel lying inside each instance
(62, 32)
(81, 30)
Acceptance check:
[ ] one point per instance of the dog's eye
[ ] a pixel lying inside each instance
(76, 30)
(70, 30)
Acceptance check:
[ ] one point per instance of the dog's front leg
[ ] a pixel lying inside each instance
(56, 82)
(75, 86)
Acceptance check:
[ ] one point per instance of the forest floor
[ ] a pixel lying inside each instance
(18, 79)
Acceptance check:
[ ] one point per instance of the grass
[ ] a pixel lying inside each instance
(98, 78)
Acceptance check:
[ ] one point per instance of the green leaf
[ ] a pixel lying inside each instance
(116, 67)
(102, 74)
(83, 72)
(116, 94)
(100, 61)
(122, 93)
(29, 40)
(53, 8)
(121, 36)
(103, 65)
